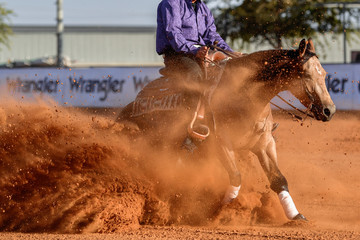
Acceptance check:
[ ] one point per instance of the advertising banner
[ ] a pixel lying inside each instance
(116, 87)
(80, 87)
(343, 82)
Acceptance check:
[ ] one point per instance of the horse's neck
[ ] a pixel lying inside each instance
(263, 73)
(254, 79)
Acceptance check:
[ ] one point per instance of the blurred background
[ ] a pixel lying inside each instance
(122, 33)
(95, 33)
(116, 38)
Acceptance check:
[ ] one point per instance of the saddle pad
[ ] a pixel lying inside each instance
(158, 95)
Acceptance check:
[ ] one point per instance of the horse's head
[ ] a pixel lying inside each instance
(311, 90)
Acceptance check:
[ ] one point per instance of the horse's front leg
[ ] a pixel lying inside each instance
(227, 158)
(266, 152)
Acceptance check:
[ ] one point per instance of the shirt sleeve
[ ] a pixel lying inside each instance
(211, 35)
(171, 17)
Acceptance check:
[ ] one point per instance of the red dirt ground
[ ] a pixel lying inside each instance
(66, 174)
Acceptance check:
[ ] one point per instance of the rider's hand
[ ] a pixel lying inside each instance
(202, 53)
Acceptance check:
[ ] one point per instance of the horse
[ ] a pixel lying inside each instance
(241, 117)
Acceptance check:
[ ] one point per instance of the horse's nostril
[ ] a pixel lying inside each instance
(327, 112)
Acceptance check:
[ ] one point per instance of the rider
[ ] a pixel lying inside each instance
(184, 29)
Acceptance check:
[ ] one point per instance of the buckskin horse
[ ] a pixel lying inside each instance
(241, 114)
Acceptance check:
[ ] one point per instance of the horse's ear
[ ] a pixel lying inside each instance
(310, 46)
(302, 48)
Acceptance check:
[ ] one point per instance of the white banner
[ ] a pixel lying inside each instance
(116, 87)
(343, 82)
(81, 87)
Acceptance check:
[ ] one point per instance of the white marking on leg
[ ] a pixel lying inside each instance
(288, 205)
(231, 193)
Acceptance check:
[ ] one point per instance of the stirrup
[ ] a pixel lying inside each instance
(198, 131)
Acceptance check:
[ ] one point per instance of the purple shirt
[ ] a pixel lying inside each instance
(180, 27)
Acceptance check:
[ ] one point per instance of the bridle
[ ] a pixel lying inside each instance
(307, 113)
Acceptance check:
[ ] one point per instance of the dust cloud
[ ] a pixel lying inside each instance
(70, 171)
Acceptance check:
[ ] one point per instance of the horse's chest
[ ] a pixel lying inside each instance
(245, 132)
(247, 141)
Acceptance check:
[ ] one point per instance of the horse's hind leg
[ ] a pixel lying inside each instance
(266, 152)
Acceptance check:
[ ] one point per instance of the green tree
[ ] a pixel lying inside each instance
(5, 29)
(273, 21)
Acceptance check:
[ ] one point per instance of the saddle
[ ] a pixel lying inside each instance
(167, 94)
(162, 94)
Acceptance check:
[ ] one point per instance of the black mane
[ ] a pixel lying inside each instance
(272, 64)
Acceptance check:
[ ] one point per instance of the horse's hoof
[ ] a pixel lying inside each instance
(300, 217)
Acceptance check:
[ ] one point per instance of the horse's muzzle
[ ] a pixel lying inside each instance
(323, 112)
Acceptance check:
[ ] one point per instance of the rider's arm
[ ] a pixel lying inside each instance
(211, 36)
(170, 14)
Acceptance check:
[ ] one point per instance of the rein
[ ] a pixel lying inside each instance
(230, 54)
(306, 113)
